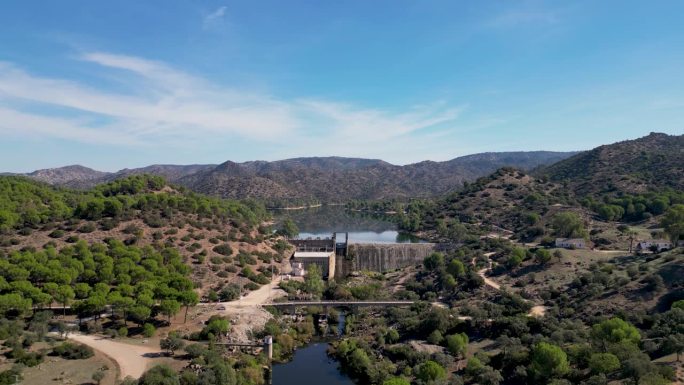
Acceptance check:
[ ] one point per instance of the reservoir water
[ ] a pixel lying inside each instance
(321, 222)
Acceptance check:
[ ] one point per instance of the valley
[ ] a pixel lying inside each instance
(159, 281)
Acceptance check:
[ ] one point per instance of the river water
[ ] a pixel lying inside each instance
(311, 364)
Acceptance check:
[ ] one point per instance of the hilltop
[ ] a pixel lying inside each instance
(653, 162)
(81, 177)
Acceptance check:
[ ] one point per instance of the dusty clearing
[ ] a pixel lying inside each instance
(60, 371)
(424, 347)
(132, 360)
(537, 311)
(246, 314)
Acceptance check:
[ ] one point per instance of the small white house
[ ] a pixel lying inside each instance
(659, 244)
(571, 243)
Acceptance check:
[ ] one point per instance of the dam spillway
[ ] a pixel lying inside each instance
(382, 257)
(342, 257)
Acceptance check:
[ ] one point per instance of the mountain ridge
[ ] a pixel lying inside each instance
(314, 179)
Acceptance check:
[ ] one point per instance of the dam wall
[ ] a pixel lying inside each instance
(383, 257)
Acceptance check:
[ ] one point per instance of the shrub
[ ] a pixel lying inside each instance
(149, 330)
(132, 230)
(56, 234)
(71, 351)
(230, 292)
(108, 224)
(123, 331)
(87, 228)
(223, 249)
(30, 359)
(252, 286)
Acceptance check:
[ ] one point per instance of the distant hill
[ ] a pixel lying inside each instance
(635, 166)
(72, 176)
(171, 172)
(77, 176)
(335, 179)
(316, 179)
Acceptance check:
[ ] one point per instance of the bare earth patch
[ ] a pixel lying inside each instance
(132, 360)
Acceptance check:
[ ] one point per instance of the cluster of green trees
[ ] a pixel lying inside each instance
(134, 282)
(634, 208)
(528, 350)
(447, 275)
(28, 204)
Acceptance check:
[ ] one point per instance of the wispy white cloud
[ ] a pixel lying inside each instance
(526, 13)
(169, 107)
(213, 19)
(518, 17)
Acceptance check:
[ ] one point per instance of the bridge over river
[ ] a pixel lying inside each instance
(341, 303)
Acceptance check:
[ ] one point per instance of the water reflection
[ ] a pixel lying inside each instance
(311, 365)
(321, 222)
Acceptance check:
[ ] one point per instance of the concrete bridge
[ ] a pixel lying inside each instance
(341, 303)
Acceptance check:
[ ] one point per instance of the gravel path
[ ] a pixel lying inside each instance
(132, 360)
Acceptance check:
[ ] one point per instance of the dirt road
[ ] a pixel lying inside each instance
(483, 272)
(246, 314)
(535, 311)
(132, 360)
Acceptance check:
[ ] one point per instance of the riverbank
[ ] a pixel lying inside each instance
(304, 207)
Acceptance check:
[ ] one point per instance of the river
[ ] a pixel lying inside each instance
(311, 364)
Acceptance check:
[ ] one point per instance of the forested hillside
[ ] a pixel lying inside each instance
(214, 239)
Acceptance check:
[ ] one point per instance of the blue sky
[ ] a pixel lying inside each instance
(130, 83)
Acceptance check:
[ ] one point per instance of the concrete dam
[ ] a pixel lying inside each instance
(382, 257)
(339, 258)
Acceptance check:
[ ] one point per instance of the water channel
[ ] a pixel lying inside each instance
(311, 364)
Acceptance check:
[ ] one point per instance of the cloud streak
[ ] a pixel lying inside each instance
(164, 106)
(213, 19)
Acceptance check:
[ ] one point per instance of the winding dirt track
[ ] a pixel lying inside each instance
(132, 360)
(535, 311)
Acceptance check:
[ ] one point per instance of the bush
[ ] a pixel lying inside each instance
(30, 359)
(71, 351)
(87, 228)
(122, 332)
(108, 224)
(56, 234)
(223, 249)
(149, 330)
(132, 230)
(11, 376)
(252, 286)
